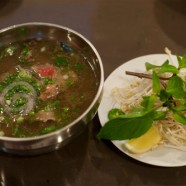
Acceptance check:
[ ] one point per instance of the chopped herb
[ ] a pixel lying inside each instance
(61, 61)
(69, 82)
(20, 119)
(48, 129)
(23, 74)
(23, 58)
(16, 131)
(10, 50)
(21, 31)
(9, 79)
(66, 109)
(48, 81)
(78, 66)
(18, 88)
(19, 102)
(51, 105)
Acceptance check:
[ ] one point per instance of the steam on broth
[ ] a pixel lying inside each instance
(44, 85)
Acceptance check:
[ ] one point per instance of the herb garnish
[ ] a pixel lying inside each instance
(167, 93)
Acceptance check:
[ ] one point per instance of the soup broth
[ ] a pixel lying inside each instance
(44, 85)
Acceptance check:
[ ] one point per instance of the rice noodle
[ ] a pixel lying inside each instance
(173, 133)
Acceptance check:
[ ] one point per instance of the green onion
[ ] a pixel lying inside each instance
(61, 61)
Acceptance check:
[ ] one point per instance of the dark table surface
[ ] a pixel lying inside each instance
(120, 30)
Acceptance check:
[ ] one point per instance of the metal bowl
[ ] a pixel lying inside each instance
(53, 140)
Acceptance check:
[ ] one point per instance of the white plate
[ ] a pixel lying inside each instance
(161, 156)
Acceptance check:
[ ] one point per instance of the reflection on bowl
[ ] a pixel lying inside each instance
(51, 81)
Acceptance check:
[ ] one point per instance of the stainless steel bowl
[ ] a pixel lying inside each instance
(53, 140)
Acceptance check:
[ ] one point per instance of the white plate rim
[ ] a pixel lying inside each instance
(161, 156)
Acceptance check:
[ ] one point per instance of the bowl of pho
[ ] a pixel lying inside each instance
(51, 80)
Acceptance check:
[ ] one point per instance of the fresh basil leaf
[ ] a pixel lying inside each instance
(175, 87)
(126, 128)
(156, 85)
(178, 116)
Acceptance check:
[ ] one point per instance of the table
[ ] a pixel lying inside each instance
(120, 30)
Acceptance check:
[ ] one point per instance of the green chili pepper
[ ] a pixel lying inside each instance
(115, 113)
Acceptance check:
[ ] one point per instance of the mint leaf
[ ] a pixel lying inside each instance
(126, 128)
(175, 87)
